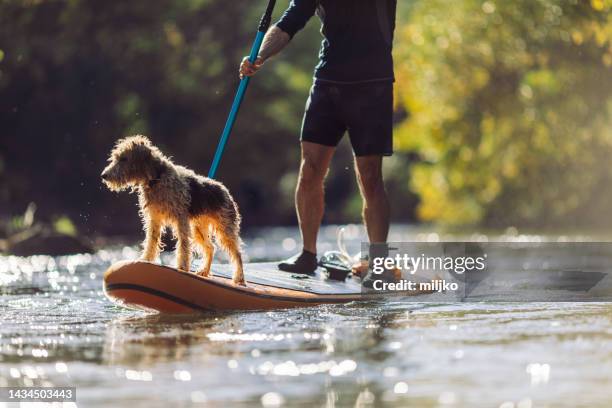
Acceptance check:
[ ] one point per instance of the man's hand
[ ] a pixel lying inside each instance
(274, 41)
(248, 69)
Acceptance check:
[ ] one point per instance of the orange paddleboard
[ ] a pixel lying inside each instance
(149, 286)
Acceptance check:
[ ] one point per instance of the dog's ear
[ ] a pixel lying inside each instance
(159, 167)
(148, 159)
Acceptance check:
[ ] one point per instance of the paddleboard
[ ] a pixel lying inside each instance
(149, 286)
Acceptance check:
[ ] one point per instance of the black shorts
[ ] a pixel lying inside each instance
(365, 110)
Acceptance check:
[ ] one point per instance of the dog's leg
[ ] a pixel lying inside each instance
(229, 239)
(153, 228)
(201, 234)
(183, 247)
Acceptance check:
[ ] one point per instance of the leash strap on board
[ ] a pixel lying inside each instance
(264, 24)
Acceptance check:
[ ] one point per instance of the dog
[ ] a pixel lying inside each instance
(195, 207)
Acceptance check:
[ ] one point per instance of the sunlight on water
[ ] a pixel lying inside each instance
(57, 328)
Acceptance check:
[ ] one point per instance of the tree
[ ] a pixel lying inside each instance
(77, 75)
(509, 109)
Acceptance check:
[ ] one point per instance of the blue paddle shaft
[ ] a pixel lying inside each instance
(231, 119)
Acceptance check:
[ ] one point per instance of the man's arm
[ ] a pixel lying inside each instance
(277, 37)
(273, 43)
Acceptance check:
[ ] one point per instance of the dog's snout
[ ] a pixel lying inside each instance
(104, 176)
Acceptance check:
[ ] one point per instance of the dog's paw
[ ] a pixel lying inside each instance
(239, 282)
(204, 274)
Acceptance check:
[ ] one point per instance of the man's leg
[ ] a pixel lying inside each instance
(375, 202)
(322, 129)
(375, 213)
(369, 110)
(309, 204)
(309, 193)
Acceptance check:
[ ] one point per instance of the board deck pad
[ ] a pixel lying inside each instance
(268, 274)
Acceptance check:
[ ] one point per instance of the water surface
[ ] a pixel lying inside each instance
(57, 328)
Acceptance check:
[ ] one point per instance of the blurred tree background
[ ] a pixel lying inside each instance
(510, 106)
(504, 109)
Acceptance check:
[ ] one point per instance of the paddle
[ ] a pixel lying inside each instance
(264, 24)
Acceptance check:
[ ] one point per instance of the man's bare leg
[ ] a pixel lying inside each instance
(375, 215)
(309, 204)
(375, 202)
(309, 194)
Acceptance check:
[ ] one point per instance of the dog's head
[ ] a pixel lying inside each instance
(134, 161)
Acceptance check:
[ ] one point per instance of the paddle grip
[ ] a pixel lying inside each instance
(266, 19)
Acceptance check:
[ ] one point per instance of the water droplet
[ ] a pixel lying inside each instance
(400, 388)
(182, 375)
(272, 399)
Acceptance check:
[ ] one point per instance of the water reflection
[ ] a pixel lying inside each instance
(151, 339)
(58, 329)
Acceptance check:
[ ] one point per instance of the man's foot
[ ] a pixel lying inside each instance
(360, 269)
(304, 263)
(388, 275)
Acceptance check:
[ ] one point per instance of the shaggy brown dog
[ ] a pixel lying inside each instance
(175, 196)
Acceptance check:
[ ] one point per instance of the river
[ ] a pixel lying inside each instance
(58, 329)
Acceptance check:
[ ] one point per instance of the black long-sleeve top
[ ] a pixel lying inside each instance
(358, 36)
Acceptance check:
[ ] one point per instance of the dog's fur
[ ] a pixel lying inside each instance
(170, 195)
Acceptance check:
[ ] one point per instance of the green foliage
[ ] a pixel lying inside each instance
(510, 110)
(21, 222)
(65, 226)
(77, 75)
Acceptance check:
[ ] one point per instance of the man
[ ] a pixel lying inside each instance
(352, 91)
